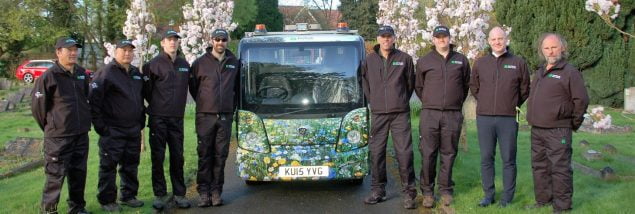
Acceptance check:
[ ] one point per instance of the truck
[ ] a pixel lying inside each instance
(301, 113)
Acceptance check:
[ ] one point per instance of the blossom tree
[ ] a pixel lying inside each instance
(468, 21)
(139, 27)
(399, 14)
(202, 17)
(607, 10)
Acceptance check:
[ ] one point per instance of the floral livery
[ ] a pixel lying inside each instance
(264, 146)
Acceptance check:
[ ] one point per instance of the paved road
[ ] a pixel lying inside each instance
(301, 197)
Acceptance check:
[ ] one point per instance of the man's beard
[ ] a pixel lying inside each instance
(553, 60)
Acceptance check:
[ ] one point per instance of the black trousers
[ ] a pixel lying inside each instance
(439, 132)
(167, 130)
(65, 157)
(120, 151)
(551, 166)
(504, 130)
(399, 125)
(214, 134)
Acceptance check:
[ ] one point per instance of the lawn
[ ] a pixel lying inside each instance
(21, 194)
(591, 195)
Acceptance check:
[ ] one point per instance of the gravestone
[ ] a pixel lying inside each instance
(584, 143)
(607, 173)
(24, 147)
(629, 100)
(17, 97)
(591, 155)
(609, 149)
(4, 105)
(5, 84)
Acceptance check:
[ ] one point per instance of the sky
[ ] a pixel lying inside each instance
(336, 3)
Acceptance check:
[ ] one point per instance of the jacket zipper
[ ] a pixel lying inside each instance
(537, 88)
(76, 105)
(445, 79)
(496, 82)
(384, 76)
(220, 83)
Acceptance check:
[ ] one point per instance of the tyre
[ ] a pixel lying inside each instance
(28, 78)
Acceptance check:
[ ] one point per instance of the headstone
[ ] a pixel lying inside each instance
(609, 149)
(17, 97)
(592, 155)
(629, 100)
(607, 173)
(5, 84)
(584, 143)
(24, 147)
(4, 105)
(27, 94)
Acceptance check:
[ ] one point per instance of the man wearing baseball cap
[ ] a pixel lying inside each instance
(442, 78)
(390, 72)
(166, 94)
(214, 86)
(60, 107)
(117, 108)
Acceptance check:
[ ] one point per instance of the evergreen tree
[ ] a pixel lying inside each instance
(360, 15)
(245, 12)
(269, 15)
(595, 48)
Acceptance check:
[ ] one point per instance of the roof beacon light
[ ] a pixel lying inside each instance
(342, 27)
(260, 28)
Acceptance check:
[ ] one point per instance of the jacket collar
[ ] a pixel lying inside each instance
(228, 54)
(558, 66)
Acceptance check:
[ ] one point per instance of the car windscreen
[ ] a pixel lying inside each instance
(286, 79)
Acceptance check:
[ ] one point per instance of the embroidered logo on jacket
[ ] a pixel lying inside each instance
(509, 66)
(183, 69)
(554, 76)
(135, 77)
(230, 66)
(395, 63)
(81, 77)
(38, 94)
(456, 62)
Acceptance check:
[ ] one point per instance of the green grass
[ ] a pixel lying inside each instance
(591, 195)
(22, 193)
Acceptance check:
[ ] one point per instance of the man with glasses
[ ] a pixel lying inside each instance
(214, 87)
(60, 107)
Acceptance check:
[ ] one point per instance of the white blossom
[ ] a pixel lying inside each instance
(604, 8)
(202, 17)
(467, 20)
(139, 27)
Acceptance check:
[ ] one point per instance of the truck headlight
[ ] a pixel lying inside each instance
(354, 136)
(354, 130)
(251, 133)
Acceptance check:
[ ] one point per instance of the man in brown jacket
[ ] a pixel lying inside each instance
(556, 106)
(388, 81)
(500, 84)
(442, 78)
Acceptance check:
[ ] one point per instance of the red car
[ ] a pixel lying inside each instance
(32, 69)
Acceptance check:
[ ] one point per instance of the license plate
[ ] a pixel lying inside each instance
(303, 171)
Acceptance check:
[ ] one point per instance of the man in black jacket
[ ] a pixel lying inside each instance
(442, 79)
(60, 107)
(214, 86)
(117, 107)
(500, 84)
(388, 81)
(166, 93)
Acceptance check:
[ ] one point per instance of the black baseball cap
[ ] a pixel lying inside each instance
(385, 29)
(171, 33)
(220, 33)
(441, 30)
(66, 42)
(124, 43)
